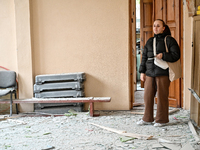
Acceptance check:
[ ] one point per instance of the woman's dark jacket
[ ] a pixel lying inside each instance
(147, 66)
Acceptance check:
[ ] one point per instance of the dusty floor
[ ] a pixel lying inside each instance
(75, 132)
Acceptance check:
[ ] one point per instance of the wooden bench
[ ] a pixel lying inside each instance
(89, 100)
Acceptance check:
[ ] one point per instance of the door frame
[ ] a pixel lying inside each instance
(132, 41)
(132, 50)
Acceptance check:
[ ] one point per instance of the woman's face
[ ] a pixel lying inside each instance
(158, 27)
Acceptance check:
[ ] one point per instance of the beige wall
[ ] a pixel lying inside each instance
(187, 55)
(88, 36)
(64, 36)
(8, 55)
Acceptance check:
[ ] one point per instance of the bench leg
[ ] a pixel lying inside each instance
(91, 109)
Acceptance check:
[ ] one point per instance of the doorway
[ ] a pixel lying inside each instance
(171, 13)
(139, 91)
(138, 49)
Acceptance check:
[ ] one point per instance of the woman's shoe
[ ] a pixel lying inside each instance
(141, 122)
(159, 124)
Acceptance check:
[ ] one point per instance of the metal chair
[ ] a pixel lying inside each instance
(8, 85)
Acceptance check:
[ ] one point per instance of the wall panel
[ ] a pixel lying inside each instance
(88, 36)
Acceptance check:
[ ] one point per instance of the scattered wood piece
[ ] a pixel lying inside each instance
(174, 110)
(138, 113)
(175, 135)
(138, 136)
(137, 104)
(109, 129)
(192, 129)
(142, 113)
(140, 108)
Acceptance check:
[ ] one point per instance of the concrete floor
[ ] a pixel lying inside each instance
(77, 133)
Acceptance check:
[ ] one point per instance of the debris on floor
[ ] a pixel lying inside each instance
(170, 144)
(124, 133)
(137, 104)
(71, 113)
(75, 132)
(192, 129)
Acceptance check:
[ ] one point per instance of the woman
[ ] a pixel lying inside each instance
(155, 78)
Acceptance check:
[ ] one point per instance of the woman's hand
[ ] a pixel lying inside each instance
(142, 77)
(159, 56)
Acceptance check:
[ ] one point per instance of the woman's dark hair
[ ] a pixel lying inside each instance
(167, 30)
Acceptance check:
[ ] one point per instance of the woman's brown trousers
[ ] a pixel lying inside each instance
(161, 86)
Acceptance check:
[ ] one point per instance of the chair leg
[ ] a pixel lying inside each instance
(11, 104)
(17, 111)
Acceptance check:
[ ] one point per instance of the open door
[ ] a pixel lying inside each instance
(146, 25)
(170, 12)
(195, 105)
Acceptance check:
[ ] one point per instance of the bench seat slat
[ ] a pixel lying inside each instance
(60, 100)
(90, 100)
